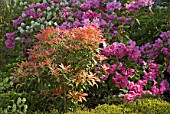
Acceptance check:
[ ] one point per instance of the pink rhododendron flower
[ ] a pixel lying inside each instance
(77, 23)
(10, 43)
(164, 86)
(32, 6)
(142, 82)
(129, 97)
(112, 69)
(86, 5)
(18, 21)
(145, 2)
(133, 6)
(94, 3)
(11, 36)
(111, 6)
(133, 51)
(155, 90)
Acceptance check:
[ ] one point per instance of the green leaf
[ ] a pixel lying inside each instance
(6, 79)
(14, 107)
(127, 26)
(120, 26)
(24, 100)
(138, 21)
(162, 76)
(124, 90)
(11, 83)
(19, 101)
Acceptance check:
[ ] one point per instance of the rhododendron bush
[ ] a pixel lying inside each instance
(126, 67)
(103, 14)
(70, 45)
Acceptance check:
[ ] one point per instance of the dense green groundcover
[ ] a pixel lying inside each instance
(143, 106)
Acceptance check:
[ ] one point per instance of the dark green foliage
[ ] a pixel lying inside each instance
(149, 26)
(12, 103)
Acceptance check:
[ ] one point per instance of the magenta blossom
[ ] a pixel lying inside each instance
(133, 6)
(10, 43)
(145, 2)
(11, 36)
(111, 6)
(18, 21)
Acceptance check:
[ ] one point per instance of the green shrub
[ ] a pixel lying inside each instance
(144, 106)
(60, 66)
(149, 106)
(149, 26)
(107, 109)
(12, 103)
(52, 111)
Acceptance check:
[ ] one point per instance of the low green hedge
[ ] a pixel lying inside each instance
(143, 106)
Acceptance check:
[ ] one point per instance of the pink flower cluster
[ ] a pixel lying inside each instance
(152, 72)
(165, 35)
(41, 6)
(18, 21)
(137, 90)
(121, 76)
(120, 50)
(30, 13)
(135, 6)
(10, 42)
(111, 6)
(164, 86)
(90, 4)
(161, 46)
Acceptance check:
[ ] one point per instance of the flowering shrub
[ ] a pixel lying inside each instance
(60, 64)
(103, 14)
(126, 67)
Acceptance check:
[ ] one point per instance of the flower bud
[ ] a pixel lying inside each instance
(17, 38)
(19, 28)
(23, 15)
(25, 3)
(42, 27)
(22, 24)
(22, 31)
(48, 8)
(27, 27)
(32, 22)
(39, 10)
(21, 3)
